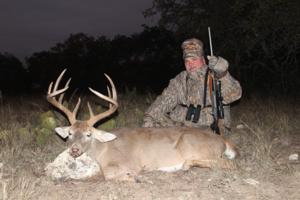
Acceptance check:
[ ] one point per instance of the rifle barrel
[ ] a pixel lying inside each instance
(210, 42)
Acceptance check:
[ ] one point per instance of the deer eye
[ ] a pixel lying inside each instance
(88, 134)
(71, 133)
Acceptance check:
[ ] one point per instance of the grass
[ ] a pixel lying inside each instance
(265, 137)
(268, 128)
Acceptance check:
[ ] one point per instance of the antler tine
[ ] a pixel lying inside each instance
(58, 104)
(58, 79)
(90, 109)
(50, 88)
(113, 88)
(111, 100)
(60, 100)
(109, 94)
(54, 93)
(113, 104)
(77, 106)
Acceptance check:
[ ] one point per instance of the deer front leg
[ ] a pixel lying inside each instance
(120, 174)
(128, 176)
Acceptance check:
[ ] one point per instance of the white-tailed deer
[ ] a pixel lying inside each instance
(125, 152)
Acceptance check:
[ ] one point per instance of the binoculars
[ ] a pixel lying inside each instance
(193, 113)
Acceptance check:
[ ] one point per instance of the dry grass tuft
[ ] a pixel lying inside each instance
(268, 126)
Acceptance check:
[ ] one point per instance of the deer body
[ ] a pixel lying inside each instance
(123, 153)
(148, 149)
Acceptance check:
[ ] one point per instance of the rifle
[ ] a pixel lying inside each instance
(216, 95)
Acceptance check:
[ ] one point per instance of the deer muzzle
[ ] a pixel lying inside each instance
(76, 150)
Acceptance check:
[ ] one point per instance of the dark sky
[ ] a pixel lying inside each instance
(29, 26)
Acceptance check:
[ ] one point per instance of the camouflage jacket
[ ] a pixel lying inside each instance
(170, 108)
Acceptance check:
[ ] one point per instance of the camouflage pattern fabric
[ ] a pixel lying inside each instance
(170, 108)
(192, 48)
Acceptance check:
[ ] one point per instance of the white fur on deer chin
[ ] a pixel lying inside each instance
(65, 167)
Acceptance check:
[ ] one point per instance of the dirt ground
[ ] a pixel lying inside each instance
(194, 184)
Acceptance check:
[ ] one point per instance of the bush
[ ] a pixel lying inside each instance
(47, 120)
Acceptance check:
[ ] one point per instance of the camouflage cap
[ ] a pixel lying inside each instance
(192, 48)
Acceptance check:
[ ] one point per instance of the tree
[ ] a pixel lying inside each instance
(13, 76)
(131, 61)
(77, 54)
(152, 54)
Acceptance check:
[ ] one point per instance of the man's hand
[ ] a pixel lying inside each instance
(218, 64)
(212, 61)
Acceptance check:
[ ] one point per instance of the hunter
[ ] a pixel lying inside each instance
(188, 89)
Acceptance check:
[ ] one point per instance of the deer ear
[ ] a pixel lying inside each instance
(63, 131)
(103, 136)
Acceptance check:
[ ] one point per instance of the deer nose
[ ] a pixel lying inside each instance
(75, 151)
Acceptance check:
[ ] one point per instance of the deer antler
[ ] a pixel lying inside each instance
(113, 104)
(58, 104)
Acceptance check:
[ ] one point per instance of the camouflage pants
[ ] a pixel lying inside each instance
(178, 115)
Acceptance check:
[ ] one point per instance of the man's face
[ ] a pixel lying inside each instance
(194, 63)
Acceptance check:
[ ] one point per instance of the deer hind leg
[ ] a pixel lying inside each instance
(187, 165)
(199, 163)
(210, 163)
